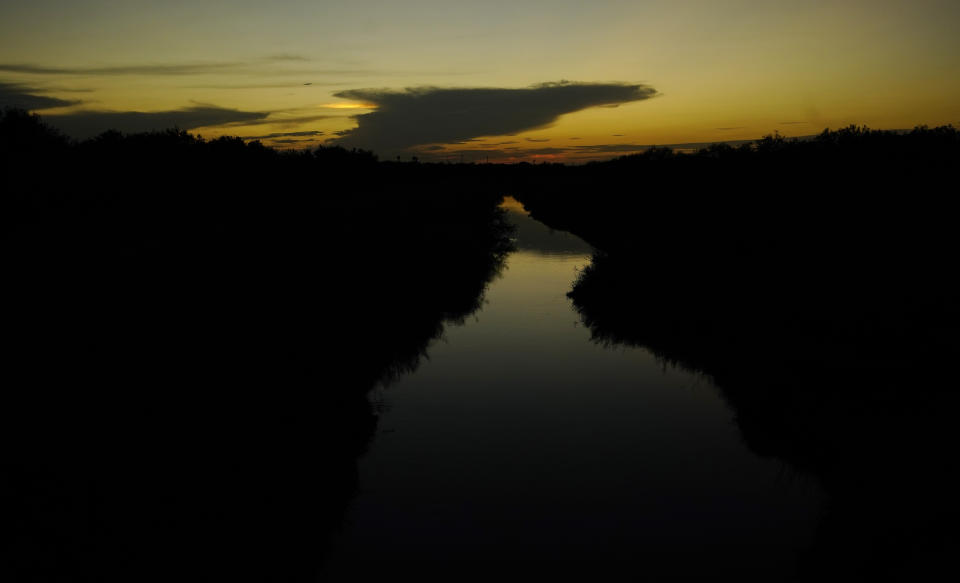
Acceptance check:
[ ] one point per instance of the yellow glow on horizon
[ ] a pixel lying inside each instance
(349, 105)
(723, 71)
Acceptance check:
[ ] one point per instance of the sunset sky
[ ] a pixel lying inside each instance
(504, 80)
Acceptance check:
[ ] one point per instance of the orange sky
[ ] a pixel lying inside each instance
(720, 70)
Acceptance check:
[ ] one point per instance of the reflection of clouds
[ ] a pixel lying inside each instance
(534, 237)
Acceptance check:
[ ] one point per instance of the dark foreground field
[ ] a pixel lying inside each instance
(192, 329)
(815, 283)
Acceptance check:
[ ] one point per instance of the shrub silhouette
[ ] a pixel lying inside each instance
(811, 280)
(194, 327)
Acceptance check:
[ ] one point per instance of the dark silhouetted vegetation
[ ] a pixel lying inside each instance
(191, 332)
(814, 282)
(192, 328)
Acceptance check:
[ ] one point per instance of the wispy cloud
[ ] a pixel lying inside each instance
(155, 69)
(427, 115)
(24, 97)
(631, 148)
(85, 124)
(271, 66)
(573, 152)
(611, 148)
(289, 141)
(283, 135)
(263, 67)
(493, 154)
(287, 85)
(62, 89)
(279, 122)
(286, 57)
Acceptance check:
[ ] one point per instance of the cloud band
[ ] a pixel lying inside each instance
(429, 115)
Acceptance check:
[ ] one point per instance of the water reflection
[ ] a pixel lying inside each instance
(522, 449)
(534, 237)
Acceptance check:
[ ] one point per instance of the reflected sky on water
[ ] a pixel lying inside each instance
(522, 446)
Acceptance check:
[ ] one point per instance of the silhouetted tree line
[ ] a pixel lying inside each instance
(191, 331)
(192, 328)
(814, 281)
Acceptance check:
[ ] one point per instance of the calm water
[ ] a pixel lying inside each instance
(521, 446)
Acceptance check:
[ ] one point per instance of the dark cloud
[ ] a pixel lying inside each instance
(85, 124)
(699, 145)
(538, 140)
(280, 122)
(61, 89)
(618, 135)
(284, 135)
(427, 115)
(292, 141)
(540, 152)
(611, 148)
(733, 128)
(14, 95)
